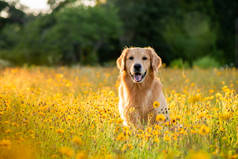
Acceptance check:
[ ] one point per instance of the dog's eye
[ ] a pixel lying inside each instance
(131, 58)
(144, 58)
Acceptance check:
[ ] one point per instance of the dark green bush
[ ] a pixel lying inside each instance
(179, 63)
(206, 62)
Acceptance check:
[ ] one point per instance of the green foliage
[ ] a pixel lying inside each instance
(143, 23)
(179, 63)
(191, 37)
(14, 15)
(206, 62)
(9, 36)
(81, 31)
(74, 33)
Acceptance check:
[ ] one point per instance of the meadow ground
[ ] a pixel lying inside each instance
(72, 113)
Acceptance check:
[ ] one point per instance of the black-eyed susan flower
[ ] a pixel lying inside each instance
(81, 155)
(167, 138)
(60, 131)
(156, 139)
(173, 119)
(130, 146)
(5, 143)
(120, 137)
(156, 104)
(66, 151)
(211, 91)
(157, 127)
(160, 117)
(77, 140)
(204, 130)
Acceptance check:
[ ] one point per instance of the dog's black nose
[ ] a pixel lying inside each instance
(137, 67)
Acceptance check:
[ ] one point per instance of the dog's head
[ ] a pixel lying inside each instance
(138, 62)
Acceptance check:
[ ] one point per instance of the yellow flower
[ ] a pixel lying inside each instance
(166, 138)
(156, 139)
(156, 104)
(124, 147)
(60, 131)
(175, 137)
(221, 128)
(120, 137)
(127, 147)
(235, 156)
(5, 143)
(211, 91)
(193, 131)
(66, 151)
(225, 116)
(119, 121)
(7, 131)
(130, 146)
(54, 156)
(160, 117)
(173, 119)
(182, 131)
(204, 130)
(81, 155)
(198, 155)
(195, 98)
(77, 140)
(155, 132)
(157, 127)
(218, 95)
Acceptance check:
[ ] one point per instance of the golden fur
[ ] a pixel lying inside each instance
(136, 99)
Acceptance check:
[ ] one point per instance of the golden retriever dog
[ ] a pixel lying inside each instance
(139, 88)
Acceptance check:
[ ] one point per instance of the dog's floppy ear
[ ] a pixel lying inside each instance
(155, 59)
(121, 61)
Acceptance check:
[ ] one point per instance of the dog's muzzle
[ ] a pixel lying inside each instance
(138, 77)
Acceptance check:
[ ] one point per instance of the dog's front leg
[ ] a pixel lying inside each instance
(132, 117)
(163, 108)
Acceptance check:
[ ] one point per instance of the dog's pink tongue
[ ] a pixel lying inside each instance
(138, 78)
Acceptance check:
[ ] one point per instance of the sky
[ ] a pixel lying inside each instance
(35, 5)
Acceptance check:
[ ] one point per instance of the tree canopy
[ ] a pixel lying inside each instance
(73, 33)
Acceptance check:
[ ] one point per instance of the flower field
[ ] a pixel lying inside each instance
(72, 113)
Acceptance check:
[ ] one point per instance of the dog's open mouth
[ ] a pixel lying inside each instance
(138, 77)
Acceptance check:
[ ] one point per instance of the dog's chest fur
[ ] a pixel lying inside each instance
(140, 97)
(140, 100)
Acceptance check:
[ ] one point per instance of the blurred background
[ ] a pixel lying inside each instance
(185, 33)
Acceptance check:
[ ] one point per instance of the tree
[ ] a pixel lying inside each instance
(143, 23)
(14, 15)
(188, 36)
(225, 16)
(57, 5)
(76, 35)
